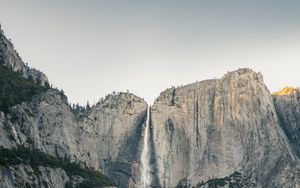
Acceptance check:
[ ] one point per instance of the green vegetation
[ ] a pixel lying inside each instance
(14, 89)
(35, 158)
(218, 182)
(235, 180)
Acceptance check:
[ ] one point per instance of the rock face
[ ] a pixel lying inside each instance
(288, 110)
(214, 128)
(24, 176)
(224, 132)
(105, 138)
(10, 58)
(199, 132)
(285, 91)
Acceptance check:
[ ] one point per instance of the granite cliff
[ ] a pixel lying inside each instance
(10, 58)
(288, 111)
(105, 138)
(227, 132)
(214, 128)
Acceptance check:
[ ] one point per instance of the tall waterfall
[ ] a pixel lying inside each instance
(145, 158)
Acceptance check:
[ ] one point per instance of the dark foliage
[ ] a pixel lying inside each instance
(14, 89)
(35, 158)
(235, 180)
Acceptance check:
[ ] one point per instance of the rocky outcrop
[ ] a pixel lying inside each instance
(10, 58)
(286, 91)
(24, 176)
(106, 138)
(288, 110)
(213, 128)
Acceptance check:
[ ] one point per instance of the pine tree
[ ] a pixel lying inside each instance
(88, 107)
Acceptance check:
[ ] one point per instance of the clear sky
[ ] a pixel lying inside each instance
(90, 48)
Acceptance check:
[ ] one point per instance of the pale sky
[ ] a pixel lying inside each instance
(90, 48)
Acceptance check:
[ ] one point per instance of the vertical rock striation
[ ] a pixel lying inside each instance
(213, 128)
(106, 138)
(288, 110)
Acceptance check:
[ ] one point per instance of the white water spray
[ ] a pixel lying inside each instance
(145, 158)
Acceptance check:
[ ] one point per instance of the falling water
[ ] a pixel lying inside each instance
(145, 158)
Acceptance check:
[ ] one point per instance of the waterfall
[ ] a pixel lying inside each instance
(145, 157)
